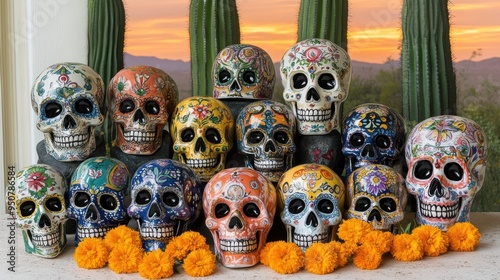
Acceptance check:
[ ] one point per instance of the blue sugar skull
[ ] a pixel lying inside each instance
(96, 196)
(166, 197)
(372, 133)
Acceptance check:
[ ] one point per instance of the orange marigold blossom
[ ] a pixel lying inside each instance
(367, 257)
(407, 247)
(286, 258)
(382, 240)
(321, 258)
(354, 230)
(193, 240)
(91, 253)
(122, 235)
(176, 249)
(464, 237)
(125, 258)
(156, 264)
(200, 262)
(264, 252)
(435, 241)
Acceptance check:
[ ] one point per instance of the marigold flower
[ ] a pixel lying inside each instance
(381, 240)
(200, 262)
(122, 235)
(367, 257)
(354, 230)
(176, 248)
(321, 258)
(156, 264)
(264, 252)
(407, 247)
(464, 237)
(344, 251)
(91, 253)
(286, 258)
(193, 240)
(435, 241)
(125, 258)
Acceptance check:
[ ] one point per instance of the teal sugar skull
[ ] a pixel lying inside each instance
(41, 210)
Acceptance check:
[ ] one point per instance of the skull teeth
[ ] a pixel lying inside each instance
(439, 211)
(269, 164)
(238, 246)
(314, 115)
(96, 232)
(70, 141)
(139, 136)
(201, 163)
(157, 233)
(304, 241)
(46, 240)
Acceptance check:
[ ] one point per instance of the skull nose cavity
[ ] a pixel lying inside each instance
(69, 122)
(312, 220)
(235, 222)
(139, 117)
(235, 86)
(154, 210)
(44, 221)
(436, 189)
(270, 147)
(312, 94)
(374, 214)
(368, 151)
(200, 145)
(92, 214)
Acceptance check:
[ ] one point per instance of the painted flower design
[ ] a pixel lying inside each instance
(94, 173)
(200, 111)
(120, 177)
(36, 181)
(376, 182)
(123, 84)
(313, 54)
(440, 131)
(160, 83)
(140, 88)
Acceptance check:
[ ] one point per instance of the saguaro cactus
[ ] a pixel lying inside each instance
(429, 87)
(213, 25)
(325, 19)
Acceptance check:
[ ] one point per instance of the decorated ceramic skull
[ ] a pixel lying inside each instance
(372, 133)
(239, 205)
(68, 99)
(96, 196)
(166, 199)
(376, 194)
(316, 75)
(41, 210)
(311, 201)
(243, 71)
(202, 130)
(141, 98)
(446, 157)
(264, 134)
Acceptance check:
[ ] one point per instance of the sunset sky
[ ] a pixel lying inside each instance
(160, 28)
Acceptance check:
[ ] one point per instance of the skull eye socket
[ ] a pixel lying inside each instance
(362, 204)
(251, 210)
(423, 170)
(108, 202)
(152, 107)
(453, 171)
(357, 140)
(224, 76)
(299, 81)
(127, 106)
(221, 210)
(213, 136)
(170, 199)
(325, 206)
(82, 199)
(382, 141)
(281, 137)
(296, 206)
(52, 110)
(84, 106)
(388, 204)
(143, 197)
(187, 135)
(249, 77)
(53, 204)
(255, 137)
(326, 81)
(27, 208)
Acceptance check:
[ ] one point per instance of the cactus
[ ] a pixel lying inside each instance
(213, 25)
(325, 19)
(429, 87)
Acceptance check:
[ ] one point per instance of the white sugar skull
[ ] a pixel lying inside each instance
(141, 98)
(316, 75)
(310, 200)
(243, 71)
(41, 210)
(96, 196)
(68, 99)
(239, 205)
(446, 157)
(265, 133)
(372, 133)
(166, 200)
(202, 130)
(376, 194)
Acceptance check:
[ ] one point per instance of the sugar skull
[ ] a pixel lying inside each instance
(202, 130)
(239, 205)
(96, 196)
(316, 75)
(41, 210)
(265, 135)
(68, 99)
(376, 194)
(446, 157)
(166, 199)
(243, 71)
(141, 99)
(310, 200)
(372, 133)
